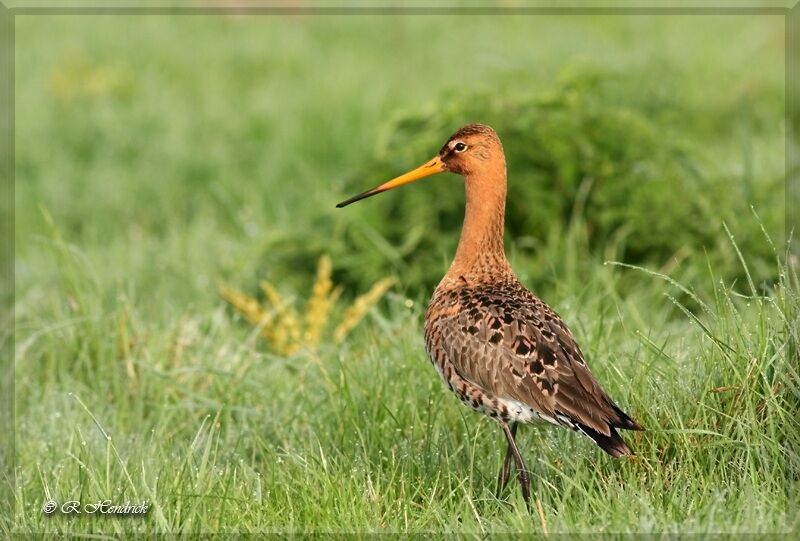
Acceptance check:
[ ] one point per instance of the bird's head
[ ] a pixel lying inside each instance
(470, 150)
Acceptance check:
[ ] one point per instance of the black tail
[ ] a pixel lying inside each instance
(613, 444)
(623, 420)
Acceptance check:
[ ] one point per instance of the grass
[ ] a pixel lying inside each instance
(195, 152)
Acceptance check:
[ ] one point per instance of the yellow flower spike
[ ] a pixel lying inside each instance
(272, 294)
(360, 307)
(285, 334)
(288, 330)
(247, 306)
(336, 293)
(291, 326)
(320, 303)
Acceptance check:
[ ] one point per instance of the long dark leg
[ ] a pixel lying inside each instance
(522, 470)
(502, 480)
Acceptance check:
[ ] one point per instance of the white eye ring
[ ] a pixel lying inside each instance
(460, 147)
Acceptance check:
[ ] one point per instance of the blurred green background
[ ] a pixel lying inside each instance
(158, 157)
(227, 140)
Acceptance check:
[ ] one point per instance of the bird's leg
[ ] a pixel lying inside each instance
(502, 481)
(522, 470)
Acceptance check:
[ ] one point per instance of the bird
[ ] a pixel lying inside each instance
(497, 346)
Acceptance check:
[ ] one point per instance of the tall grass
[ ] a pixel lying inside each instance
(218, 435)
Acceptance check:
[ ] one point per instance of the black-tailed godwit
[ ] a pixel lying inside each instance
(497, 346)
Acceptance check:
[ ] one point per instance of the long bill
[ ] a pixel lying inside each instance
(430, 168)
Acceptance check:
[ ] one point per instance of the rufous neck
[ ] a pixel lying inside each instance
(480, 254)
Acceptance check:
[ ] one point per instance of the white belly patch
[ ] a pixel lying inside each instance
(523, 413)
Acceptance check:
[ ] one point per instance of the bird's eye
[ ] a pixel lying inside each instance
(460, 147)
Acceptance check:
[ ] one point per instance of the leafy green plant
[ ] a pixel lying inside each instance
(631, 174)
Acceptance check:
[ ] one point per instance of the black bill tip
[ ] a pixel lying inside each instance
(359, 197)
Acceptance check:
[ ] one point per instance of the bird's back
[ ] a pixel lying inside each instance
(499, 342)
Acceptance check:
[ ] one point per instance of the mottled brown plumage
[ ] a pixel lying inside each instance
(497, 346)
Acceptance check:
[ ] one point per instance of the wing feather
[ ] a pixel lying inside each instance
(509, 343)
